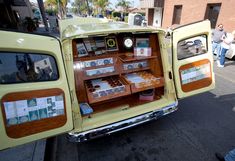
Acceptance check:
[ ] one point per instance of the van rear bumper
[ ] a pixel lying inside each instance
(121, 125)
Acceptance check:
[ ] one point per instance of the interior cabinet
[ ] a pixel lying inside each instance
(109, 69)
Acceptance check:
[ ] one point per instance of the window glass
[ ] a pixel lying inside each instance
(177, 14)
(192, 47)
(25, 67)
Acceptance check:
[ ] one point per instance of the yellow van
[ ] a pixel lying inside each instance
(98, 78)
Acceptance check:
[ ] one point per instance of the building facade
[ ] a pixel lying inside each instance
(13, 12)
(166, 13)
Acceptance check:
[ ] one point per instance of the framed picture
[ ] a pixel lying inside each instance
(81, 49)
(88, 44)
(111, 43)
(142, 51)
(98, 52)
(99, 41)
(142, 42)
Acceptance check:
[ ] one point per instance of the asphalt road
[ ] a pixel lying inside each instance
(204, 124)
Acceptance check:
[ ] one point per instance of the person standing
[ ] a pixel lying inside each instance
(216, 39)
(226, 42)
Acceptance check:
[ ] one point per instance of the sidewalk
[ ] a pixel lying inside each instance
(28, 152)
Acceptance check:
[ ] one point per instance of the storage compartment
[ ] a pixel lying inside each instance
(106, 88)
(140, 81)
(118, 70)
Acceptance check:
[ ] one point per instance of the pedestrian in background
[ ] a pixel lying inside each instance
(227, 40)
(216, 39)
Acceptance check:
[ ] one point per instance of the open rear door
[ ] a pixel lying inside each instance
(35, 99)
(193, 59)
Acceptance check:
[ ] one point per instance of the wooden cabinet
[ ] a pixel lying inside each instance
(118, 73)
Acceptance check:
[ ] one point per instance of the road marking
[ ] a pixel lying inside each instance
(228, 79)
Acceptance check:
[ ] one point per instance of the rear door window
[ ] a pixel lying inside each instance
(192, 46)
(27, 67)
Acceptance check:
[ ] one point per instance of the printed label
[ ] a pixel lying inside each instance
(195, 73)
(18, 112)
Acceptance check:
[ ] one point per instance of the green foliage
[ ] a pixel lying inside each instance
(124, 4)
(102, 4)
(55, 2)
(81, 6)
(75, 10)
(126, 19)
(126, 14)
(117, 18)
(116, 14)
(29, 24)
(51, 11)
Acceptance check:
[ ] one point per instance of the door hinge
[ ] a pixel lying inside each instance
(165, 45)
(72, 96)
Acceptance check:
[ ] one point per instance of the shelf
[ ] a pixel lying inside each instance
(135, 70)
(144, 81)
(104, 90)
(100, 75)
(93, 56)
(125, 58)
(126, 101)
(135, 89)
(89, 68)
(99, 66)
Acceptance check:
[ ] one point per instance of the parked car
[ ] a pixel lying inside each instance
(69, 16)
(231, 52)
(100, 77)
(99, 16)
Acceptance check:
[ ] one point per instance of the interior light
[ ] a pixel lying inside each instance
(78, 65)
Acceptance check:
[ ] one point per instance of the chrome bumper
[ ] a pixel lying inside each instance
(111, 128)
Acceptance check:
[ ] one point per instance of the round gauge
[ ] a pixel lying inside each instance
(128, 42)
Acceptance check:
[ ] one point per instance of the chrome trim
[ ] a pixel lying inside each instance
(108, 129)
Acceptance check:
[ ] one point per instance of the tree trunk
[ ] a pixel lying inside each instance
(88, 8)
(42, 10)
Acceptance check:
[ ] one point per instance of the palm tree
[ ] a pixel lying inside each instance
(101, 4)
(61, 5)
(83, 5)
(124, 4)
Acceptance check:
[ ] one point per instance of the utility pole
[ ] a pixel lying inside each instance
(42, 10)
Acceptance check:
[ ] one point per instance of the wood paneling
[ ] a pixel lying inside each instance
(202, 83)
(120, 57)
(37, 126)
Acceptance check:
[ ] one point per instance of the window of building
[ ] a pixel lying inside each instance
(193, 46)
(212, 13)
(26, 67)
(177, 14)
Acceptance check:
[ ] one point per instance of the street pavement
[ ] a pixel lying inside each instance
(203, 125)
(28, 152)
